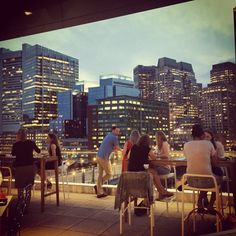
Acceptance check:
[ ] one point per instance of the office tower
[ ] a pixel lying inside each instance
(176, 84)
(72, 115)
(111, 86)
(145, 79)
(10, 97)
(127, 113)
(10, 90)
(45, 72)
(30, 80)
(219, 102)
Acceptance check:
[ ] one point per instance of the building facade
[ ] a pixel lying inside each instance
(127, 113)
(111, 86)
(219, 102)
(172, 82)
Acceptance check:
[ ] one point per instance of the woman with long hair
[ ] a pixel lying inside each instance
(140, 154)
(53, 151)
(163, 151)
(133, 139)
(25, 169)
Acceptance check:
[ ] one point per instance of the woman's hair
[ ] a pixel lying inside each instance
(144, 140)
(197, 131)
(54, 139)
(21, 134)
(212, 137)
(134, 136)
(163, 138)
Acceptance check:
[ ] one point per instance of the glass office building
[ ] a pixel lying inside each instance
(175, 83)
(219, 102)
(127, 113)
(111, 86)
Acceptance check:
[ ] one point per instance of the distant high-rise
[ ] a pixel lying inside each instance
(45, 72)
(10, 90)
(175, 83)
(219, 102)
(111, 86)
(127, 113)
(177, 86)
(30, 79)
(145, 80)
(72, 114)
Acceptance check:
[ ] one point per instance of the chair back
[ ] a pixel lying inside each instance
(135, 184)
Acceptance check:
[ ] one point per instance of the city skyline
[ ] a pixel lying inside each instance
(118, 45)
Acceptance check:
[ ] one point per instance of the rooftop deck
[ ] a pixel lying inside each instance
(85, 215)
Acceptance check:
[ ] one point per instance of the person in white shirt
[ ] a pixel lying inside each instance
(201, 156)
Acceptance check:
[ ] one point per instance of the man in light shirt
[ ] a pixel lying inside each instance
(200, 156)
(109, 144)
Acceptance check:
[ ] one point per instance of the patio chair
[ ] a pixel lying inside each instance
(133, 185)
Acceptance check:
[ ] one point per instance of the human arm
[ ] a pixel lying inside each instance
(220, 150)
(214, 158)
(53, 149)
(152, 155)
(124, 149)
(35, 147)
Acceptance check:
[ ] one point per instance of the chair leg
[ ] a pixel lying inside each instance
(194, 215)
(217, 216)
(129, 210)
(121, 218)
(63, 185)
(182, 222)
(152, 221)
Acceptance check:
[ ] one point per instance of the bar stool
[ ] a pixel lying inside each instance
(186, 186)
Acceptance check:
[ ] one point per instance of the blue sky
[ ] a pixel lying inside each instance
(198, 32)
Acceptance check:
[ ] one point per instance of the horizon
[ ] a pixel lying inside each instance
(208, 39)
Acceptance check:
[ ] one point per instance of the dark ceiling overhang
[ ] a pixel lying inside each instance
(50, 15)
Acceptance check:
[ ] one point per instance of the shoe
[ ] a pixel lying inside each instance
(101, 195)
(95, 189)
(179, 188)
(165, 195)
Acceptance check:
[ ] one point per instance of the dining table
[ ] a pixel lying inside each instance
(8, 160)
(229, 163)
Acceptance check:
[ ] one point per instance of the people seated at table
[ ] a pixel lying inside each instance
(133, 139)
(162, 149)
(25, 169)
(54, 150)
(139, 156)
(200, 155)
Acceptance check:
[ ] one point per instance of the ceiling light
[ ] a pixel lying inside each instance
(28, 13)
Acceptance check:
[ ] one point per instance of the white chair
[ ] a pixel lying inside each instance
(63, 171)
(133, 185)
(226, 179)
(186, 186)
(171, 175)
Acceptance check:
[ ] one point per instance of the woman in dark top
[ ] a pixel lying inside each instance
(139, 155)
(53, 151)
(25, 169)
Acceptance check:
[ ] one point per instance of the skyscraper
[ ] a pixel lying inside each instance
(177, 86)
(219, 102)
(175, 83)
(111, 86)
(10, 90)
(30, 80)
(145, 79)
(45, 72)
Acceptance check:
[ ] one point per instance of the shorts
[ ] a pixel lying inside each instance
(162, 170)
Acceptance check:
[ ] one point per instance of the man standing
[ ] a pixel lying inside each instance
(109, 144)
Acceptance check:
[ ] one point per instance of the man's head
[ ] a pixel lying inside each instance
(115, 130)
(197, 132)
